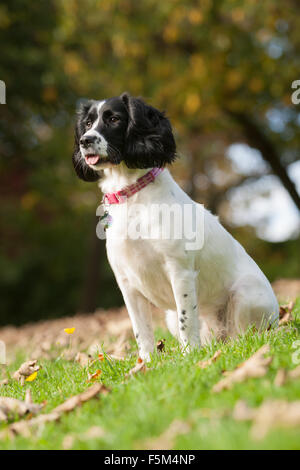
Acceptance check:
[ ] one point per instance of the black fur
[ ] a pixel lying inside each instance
(149, 138)
(142, 138)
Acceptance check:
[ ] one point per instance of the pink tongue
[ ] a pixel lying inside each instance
(92, 159)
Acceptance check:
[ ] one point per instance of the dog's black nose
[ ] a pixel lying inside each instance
(87, 140)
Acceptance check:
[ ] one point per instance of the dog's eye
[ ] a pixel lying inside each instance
(113, 119)
(88, 124)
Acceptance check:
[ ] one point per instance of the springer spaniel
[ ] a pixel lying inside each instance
(210, 287)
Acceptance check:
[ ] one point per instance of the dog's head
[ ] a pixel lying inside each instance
(120, 129)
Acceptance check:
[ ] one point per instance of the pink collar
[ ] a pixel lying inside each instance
(121, 196)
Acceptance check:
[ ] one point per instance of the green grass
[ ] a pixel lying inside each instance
(144, 406)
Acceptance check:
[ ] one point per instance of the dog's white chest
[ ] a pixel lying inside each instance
(141, 264)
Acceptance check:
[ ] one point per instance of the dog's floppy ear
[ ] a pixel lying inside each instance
(149, 140)
(83, 171)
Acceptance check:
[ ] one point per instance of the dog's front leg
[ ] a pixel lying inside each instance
(139, 310)
(185, 294)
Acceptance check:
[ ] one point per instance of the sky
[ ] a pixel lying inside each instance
(263, 203)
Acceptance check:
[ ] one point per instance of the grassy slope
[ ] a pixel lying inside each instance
(175, 388)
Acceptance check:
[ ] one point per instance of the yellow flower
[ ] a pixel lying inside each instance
(70, 331)
(31, 377)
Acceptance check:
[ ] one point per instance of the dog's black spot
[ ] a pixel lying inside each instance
(195, 306)
(183, 312)
(137, 335)
(182, 320)
(182, 328)
(185, 295)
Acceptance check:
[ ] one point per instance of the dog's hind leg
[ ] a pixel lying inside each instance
(251, 302)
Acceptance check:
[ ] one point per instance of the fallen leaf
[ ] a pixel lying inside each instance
(4, 382)
(26, 370)
(94, 432)
(283, 376)
(11, 407)
(92, 377)
(287, 318)
(256, 366)
(208, 362)
(280, 378)
(121, 346)
(285, 313)
(160, 345)
(288, 308)
(82, 359)
(77, 400)
(24, 427)
(269, 415)
(68, 442)
(31, 377)
(242, 412)
(69, 331)
(294, 374)
(167, 439)
(117, 358)
(101, 357)
(139, 367)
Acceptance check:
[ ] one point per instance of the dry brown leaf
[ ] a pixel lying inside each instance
(294, 374)
(25, 370)
(94, 376)
(117, 358)
(77, 400)
(285, 313)
(283, 376)
(24, 427)
(160, 345)
(83, 359)
(271, 414)
(139, 367)
(280, 378)
(284, 309)
(121, 346)
(287, 318)
(68, 442)
(4, 382)
(167, 439)
(256, 366)
(208, 362)
(242, 412)
(11, 407)
(94, 432)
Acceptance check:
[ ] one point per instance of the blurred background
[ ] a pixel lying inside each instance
(223, 71)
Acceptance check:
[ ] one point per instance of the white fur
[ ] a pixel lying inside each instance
(216, 290)
(100, 147)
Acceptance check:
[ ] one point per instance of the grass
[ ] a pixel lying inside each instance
(144, 406)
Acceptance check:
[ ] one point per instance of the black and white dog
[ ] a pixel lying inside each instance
(215, 289)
